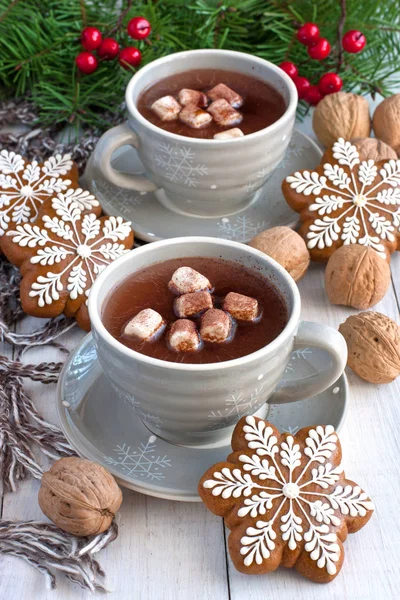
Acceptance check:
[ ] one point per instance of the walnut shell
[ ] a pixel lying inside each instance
(386, 122)
(356, 276)
(371, 148)
(373, 342)
(341, 115)
(79, 496)
(285, 246)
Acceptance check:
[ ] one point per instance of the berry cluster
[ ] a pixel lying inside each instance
(108, 48)
(319, 48)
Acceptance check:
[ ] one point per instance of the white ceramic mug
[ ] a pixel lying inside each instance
(198, 176)
(179, 398)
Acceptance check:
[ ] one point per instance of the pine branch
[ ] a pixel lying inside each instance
(39, 42)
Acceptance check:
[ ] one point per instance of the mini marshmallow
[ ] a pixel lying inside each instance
(240, 307)
(184, 337)
(166, 108)
(195, 97)
(216, 326)
(224, 114)
(145, 325)
(186, 280)
(193, 304)
(223, 91)
(195, 117)
(229, 134)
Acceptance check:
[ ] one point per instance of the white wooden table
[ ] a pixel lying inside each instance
(177, 551)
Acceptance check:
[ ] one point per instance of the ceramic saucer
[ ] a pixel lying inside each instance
(151, 221)
(102, 428)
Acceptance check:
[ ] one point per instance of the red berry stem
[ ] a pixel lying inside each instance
(340, 28)
(120, 19)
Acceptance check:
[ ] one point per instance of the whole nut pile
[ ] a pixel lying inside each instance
(197, 110)
(194, 300)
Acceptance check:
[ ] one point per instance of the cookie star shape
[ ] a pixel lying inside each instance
(286, 500)
(61, 254)
(347, 201)
(25, 186)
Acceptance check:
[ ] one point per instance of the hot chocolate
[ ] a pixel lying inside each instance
(206, 103)
(195, 310)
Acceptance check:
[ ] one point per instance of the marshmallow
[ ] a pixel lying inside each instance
(216, 326)
(186, 280)
(240, 307)
(184, 337)
(194, 117)
(223, 91)
(145, 325)
(224, 114)
(195, 97)
(229, 134)
(166, 108)
(190, 305)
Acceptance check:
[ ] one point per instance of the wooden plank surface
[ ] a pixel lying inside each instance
(176, 551)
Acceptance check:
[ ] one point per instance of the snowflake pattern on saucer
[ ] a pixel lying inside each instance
(286, 499)
(25, 186)
(347, 201)
(61, 254)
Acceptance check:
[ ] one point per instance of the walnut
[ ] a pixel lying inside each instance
(286, 247)
(79, 496)
(373, 342)
(386, 122)
(341, 115)
(356, 276)
(371, 148)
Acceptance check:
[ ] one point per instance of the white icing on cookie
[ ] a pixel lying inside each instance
(337, 190)
(80, 243)
(299, 514)
(25, 186)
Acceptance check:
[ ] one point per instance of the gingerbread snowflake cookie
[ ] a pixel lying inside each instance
(61, 254)
(25, 186)
(286, 500)
(347, 201)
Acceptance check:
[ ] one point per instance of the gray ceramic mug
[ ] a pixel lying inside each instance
(187, 403)
(200, 177)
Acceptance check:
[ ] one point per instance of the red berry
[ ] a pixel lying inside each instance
(303, 85)
(353, 41)
(289, 68)
(109, 49)
(86, 62)
(319, 50)
(129, 56)
(91, 38)
(330, 83)
(139, 28)
(308, 33)
(313, 95)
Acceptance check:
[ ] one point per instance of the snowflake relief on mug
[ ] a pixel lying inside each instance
(354, 202)
(237, 404)
(178, 164)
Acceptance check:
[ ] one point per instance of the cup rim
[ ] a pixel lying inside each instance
(287, 115)
(101, 330)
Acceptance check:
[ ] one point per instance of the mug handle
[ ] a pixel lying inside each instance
(321, 336)
(114, 138)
